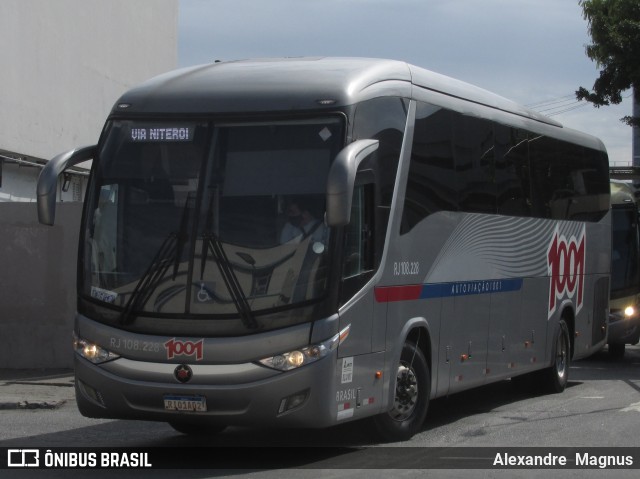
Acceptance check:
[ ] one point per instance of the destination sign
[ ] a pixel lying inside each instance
(161, 133)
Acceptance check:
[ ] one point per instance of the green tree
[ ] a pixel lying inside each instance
(614, 26)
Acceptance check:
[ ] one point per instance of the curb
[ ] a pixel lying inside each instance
(34, 389)
(12, 405)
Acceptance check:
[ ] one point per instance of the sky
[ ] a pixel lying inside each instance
(530, 51)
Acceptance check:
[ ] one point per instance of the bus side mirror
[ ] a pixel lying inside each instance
(48, 180)
(342, 177)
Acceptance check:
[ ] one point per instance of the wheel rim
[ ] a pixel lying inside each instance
(561, 355)
(406, 393)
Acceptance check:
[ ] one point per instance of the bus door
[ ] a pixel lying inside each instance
(357, 270)
(361, 353)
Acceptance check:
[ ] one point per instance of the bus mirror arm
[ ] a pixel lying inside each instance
(48, 180)
(341, 180)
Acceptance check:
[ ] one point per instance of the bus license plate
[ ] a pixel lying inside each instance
(185, 403)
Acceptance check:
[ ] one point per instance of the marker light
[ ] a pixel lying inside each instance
(92, 352)
(309, 354)
(629, 311)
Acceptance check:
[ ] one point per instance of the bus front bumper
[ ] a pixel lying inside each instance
(125, 389)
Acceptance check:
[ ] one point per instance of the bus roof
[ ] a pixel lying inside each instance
(296, 83)
(302, 84)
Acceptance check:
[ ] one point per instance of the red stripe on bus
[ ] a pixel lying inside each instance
(388, 294)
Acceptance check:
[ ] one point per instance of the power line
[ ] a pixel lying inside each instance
(550, 102)
(558, 106)
(580, 104)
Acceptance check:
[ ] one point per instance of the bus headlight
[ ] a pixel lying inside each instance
(299, 357)
(629, 311)
(309, 354)
(92, 352)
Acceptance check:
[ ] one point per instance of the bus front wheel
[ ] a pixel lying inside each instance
(411, 400)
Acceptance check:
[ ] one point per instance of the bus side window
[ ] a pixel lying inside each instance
(432, 182)
(513, 185)
(359, 247)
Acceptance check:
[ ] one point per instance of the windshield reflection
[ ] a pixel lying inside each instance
(625, 263)
(228, 222)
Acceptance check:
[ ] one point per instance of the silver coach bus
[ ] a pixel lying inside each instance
(307, 242)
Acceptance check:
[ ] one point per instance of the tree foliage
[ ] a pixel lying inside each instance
(614, 26)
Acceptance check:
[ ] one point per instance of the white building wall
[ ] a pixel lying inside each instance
(65, 63)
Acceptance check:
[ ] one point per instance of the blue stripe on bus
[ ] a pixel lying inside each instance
(466, 288)
(387, 294)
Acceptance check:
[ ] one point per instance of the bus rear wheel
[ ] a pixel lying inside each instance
(554, 379)
(411, 400)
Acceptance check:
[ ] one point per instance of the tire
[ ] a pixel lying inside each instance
(616, 350)
(555, 378)
(197, 429)
(411, 400)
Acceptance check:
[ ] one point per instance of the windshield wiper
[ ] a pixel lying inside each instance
(168, 254)
(211, 242)
(147, 283)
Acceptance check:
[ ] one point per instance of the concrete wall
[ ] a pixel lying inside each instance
(37, 286)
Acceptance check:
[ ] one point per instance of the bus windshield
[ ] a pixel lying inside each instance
(625, 273)
(188, 218)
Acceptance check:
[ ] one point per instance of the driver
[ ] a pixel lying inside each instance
(301, 223)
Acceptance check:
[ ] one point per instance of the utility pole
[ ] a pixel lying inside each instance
(635, 144)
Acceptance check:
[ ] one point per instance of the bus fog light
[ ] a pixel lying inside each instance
(92, 352)
(91, 393)
(629, 311)
(292, 402)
